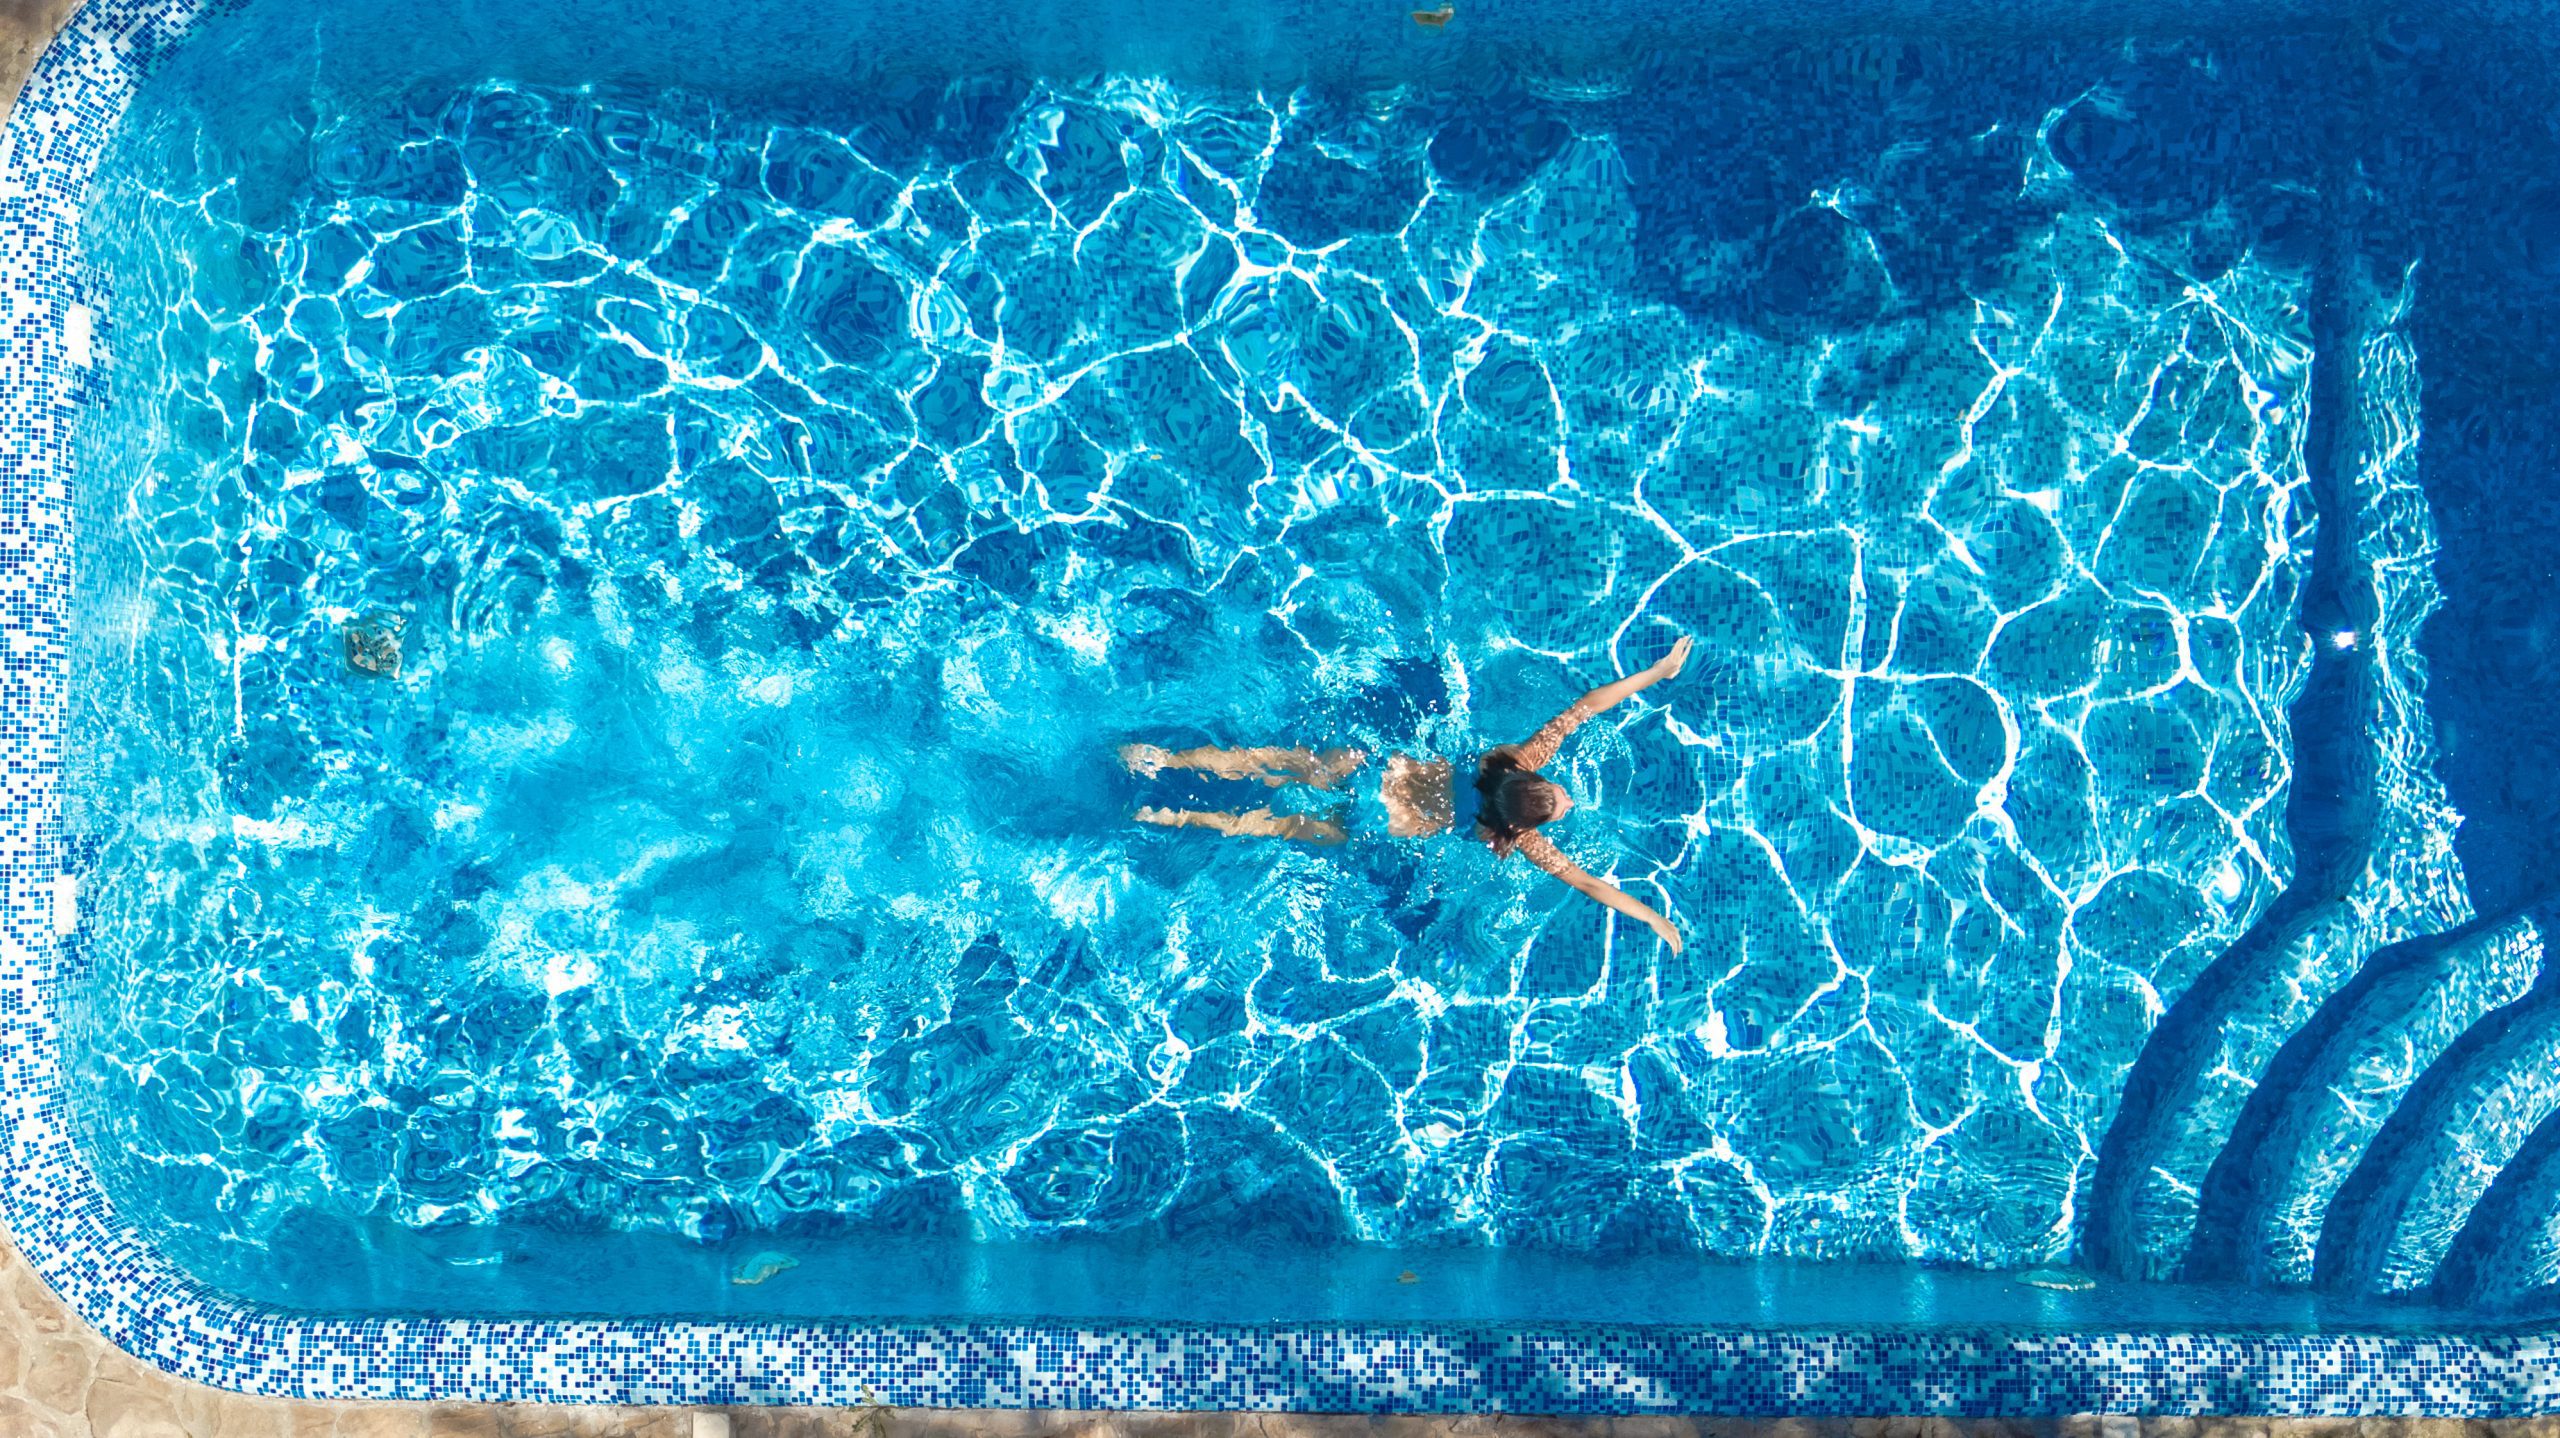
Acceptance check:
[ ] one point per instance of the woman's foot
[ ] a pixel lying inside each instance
(1144, 760)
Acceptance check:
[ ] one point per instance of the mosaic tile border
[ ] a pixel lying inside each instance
(110, 1272)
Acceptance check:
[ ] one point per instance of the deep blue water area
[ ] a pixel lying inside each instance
(789, 488)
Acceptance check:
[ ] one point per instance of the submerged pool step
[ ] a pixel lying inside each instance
(2196, 1076)
(2465, 1119)
(2333, 1085)
(2507, 1256)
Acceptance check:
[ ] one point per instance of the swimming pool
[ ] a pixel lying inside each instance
(579, 599)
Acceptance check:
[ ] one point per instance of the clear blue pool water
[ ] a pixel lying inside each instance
(789, 496)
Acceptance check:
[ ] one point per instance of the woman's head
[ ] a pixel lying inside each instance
(1517, 801)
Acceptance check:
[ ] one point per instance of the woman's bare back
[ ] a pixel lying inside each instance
(1420, 796)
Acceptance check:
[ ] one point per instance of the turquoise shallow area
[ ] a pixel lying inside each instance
(788, 513)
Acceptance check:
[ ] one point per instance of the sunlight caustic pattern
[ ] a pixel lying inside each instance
(784, 532)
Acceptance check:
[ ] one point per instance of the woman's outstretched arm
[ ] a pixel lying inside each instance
(1543, 853)
(1542, 746)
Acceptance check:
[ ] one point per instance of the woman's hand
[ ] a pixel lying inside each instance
(1540, 850)
(1542, 745)
(1670, 663)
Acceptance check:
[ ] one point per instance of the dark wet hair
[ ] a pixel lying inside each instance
(1511, 801)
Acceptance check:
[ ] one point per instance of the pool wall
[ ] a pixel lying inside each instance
(114, 1276)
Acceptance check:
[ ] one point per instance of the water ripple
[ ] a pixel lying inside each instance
(785, 534)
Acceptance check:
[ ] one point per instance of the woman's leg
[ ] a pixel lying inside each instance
(1274, 767)
(1258, 824)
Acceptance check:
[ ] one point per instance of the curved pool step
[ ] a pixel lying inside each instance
(2464, 1119)
(2507, 1256)
(2195, 1075)
(2328, 1092)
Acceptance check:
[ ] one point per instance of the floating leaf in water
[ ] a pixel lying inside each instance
(1434, 19)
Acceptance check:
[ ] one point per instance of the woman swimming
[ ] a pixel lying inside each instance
(1512, 797)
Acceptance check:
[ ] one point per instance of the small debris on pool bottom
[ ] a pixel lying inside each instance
(2063, 1280)
(374, 645)
(761, 1267)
